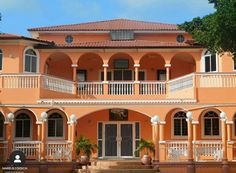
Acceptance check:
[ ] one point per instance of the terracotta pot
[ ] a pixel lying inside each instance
(84, 160)
(146, 160)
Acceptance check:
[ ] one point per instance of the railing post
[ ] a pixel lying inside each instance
(161, 140)
(105, 87)
(225, 165)
(136, 87)
(155, 120)
(72, 123)
(229, 137)
(190, 165)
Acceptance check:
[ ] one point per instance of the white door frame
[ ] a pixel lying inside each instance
(118, 138)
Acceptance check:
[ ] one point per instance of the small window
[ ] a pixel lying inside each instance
(234, 64)
(122, 35)
(121, 63)
(55, 125)
(69, 39)
(180, 124)
(180, 38)
(161, 75)
(22, 126)
(1, 58)
(31, 61)
(1, 125)
(210, 62)
(211, 124)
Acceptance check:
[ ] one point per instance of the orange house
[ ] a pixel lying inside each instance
(116, 82)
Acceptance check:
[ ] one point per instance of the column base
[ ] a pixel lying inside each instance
(156, 166)
(225, 166)
(190, 166)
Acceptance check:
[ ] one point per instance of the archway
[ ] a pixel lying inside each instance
(59, 65)
(182, 64)
(89, 67)
(152, 65)
(117, 131)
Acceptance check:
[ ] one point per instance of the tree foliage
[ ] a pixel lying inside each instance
(216, 31)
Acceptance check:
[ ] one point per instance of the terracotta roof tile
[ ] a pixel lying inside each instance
(108, 25)
(121, 44)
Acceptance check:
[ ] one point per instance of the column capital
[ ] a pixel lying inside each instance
(162, 122)
(136, 65)
(74, 65)
(105, 65)
(195, 122)
(167, 65)
(229, 122)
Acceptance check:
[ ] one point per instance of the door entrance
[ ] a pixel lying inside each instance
(118, 139)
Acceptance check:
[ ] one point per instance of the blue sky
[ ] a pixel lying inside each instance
(19, 15)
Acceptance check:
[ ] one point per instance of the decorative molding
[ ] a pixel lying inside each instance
(74, 65)
(167, 65)
(195, 122)
(229, 122)
(162, 122)
(136, 65)
(105, 65)
(111, 102)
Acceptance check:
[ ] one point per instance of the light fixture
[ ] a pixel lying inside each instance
(10, 117)
(44, 116)
(223, 116)
(155, 119)
(73, 118)
(189, 115)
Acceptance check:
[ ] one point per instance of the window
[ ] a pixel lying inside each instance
(180, 124)
(1, 125)
(210, 62)
(211, 124)
(69, 39)
(55, 125)
(234, 64)
(180, 38)
(81, 75)
(161, 75)
(109, 75)
(31, 61)
(122, 35)
(121, 63)
(22, 126)
(1, 58)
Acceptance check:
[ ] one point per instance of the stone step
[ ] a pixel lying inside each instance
(117, 171)
(132, 166)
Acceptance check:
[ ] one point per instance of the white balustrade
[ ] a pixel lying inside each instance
(176, 150)
(152, 88)
(20, 80)
(208, 150)
(31, 149)
(121, 88)
(90, 88)
(216, 80)
(60, 151)
(181, 83)
(3, 151)
(57, 84)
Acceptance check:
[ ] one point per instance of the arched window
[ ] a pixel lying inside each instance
(210, 62)
(55, 125)
(22, 126)
(211, 124)
(1, 125)
(31, 61)
(180, 124)
(1, 59)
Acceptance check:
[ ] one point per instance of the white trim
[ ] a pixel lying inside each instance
(111, 102)
(167, 65)
(136, 65)
(105, 65)
(38, 59)
(74, 65)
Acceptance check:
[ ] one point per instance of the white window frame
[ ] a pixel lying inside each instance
(1, 53)
(203, 127)
(203, 65)
(64, 128)
(37, 61)
(31, 128)
(173, 136)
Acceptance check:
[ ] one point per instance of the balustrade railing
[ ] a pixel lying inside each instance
(176, 150)
(181, 83)
(3, 151)
(121, 88)
(152, 88)
(31, 149)
(60, 151)
(90, 88)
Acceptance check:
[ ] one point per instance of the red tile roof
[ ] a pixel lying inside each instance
(108, 25)
(6, 36)
(123, 44)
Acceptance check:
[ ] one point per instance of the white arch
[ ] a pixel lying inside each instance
(38, 58)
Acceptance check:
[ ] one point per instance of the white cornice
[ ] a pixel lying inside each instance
(112, 102)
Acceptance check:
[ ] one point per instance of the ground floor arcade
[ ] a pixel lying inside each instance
(44, 133)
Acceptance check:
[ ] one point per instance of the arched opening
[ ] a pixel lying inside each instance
(182, 64)
(152, 67)
(121, 67)
(57, 127)
(116, 131)
(89, 67)
(25, 127)
(59, 65)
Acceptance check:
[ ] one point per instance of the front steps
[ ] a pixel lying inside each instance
(117, 166)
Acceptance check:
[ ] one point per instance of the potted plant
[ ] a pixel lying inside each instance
(84, 148)
(148, 148)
